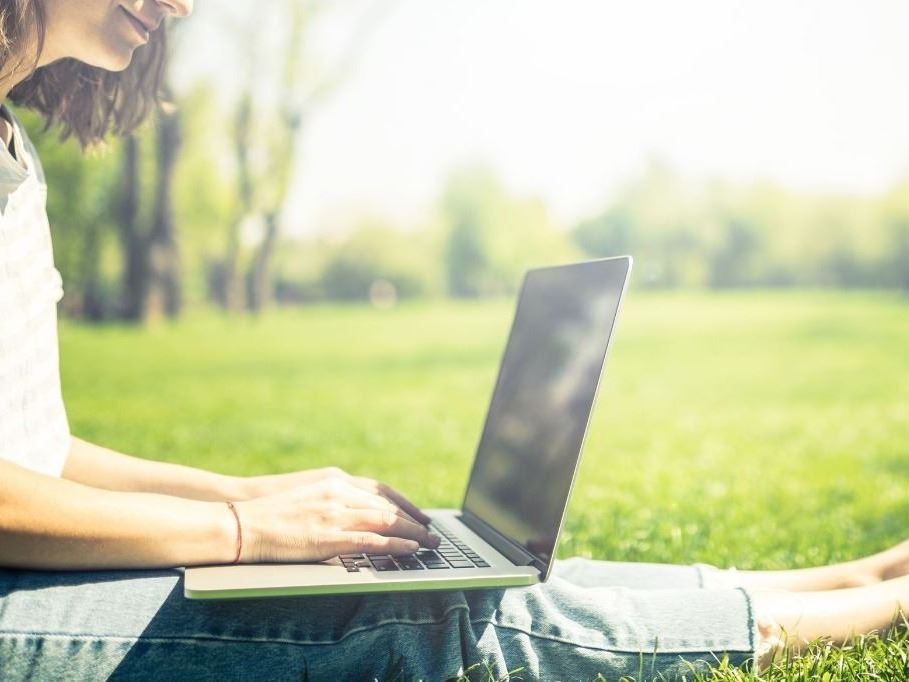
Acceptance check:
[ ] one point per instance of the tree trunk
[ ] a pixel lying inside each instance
(231, 296)
(163, 248)
(135, 271)
(93, 308)
(258, 279)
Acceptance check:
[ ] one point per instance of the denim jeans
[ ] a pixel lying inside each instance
(639, 620)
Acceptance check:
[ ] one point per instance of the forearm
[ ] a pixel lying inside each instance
(50, 523)
(101, 467)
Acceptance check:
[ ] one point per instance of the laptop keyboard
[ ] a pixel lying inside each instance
(452, 552)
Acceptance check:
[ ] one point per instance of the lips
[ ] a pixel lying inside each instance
(138, 24)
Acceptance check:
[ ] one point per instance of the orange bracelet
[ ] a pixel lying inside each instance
(239, 531)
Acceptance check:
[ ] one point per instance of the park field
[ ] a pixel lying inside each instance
(758, 429)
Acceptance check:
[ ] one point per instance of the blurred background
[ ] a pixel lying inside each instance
(312, 258)
(400, 149)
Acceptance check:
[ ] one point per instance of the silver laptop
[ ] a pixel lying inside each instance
(507, 529)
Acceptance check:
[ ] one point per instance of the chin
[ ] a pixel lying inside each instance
(117, 61)
(113, 58)
(119, 65)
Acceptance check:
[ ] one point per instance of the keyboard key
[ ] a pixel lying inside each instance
(453, 550)
(410, 564)
(433, 567)
(378, 556)
(352, 569)
(384, 565)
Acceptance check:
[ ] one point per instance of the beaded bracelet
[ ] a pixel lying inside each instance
(239, 532)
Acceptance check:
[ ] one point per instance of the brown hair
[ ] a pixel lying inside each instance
(87, 102)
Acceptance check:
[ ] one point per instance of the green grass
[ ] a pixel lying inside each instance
(760, 430)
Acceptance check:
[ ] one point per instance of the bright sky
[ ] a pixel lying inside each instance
(568, 99)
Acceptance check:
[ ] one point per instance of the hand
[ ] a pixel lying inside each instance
(324, 518)
(262, 486)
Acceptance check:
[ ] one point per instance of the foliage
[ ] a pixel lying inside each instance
(204, 192)
(492, 237)
(347, 266)
(376, 252)
(480, 236)
(720, 235)
(755, 429)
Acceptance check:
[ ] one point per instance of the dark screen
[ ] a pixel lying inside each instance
(541, 404)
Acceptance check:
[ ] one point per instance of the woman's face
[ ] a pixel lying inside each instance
(104, 33)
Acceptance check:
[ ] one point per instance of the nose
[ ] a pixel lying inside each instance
(178, 8)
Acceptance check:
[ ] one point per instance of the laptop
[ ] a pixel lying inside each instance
(506, 532)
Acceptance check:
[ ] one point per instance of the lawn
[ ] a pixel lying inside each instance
(758, 429)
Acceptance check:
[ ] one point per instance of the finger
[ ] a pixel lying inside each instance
(355, 498)
(393, 495)
(403, 503)
(391, 525)
(364, 542)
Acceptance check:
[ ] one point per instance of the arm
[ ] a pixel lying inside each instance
(100, 467)
(52, 523)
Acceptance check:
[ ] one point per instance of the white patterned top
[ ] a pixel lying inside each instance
(34, 432)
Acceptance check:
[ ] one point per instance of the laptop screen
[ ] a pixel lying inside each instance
(534, 430)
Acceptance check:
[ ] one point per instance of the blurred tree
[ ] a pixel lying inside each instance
(722, 235)
(163, 253)
(893, 216)
(226, 284)
(272, 111)
(734, 262)
(661, 218)
(609, 234)
(897, 269)
(466, 261)
(373, 253)
(151, 280)
(204, 192)
(492, 237)
(133, 242)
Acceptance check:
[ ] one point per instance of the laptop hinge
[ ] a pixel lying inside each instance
(502, 544)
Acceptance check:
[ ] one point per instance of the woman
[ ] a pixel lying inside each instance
(71, 510)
